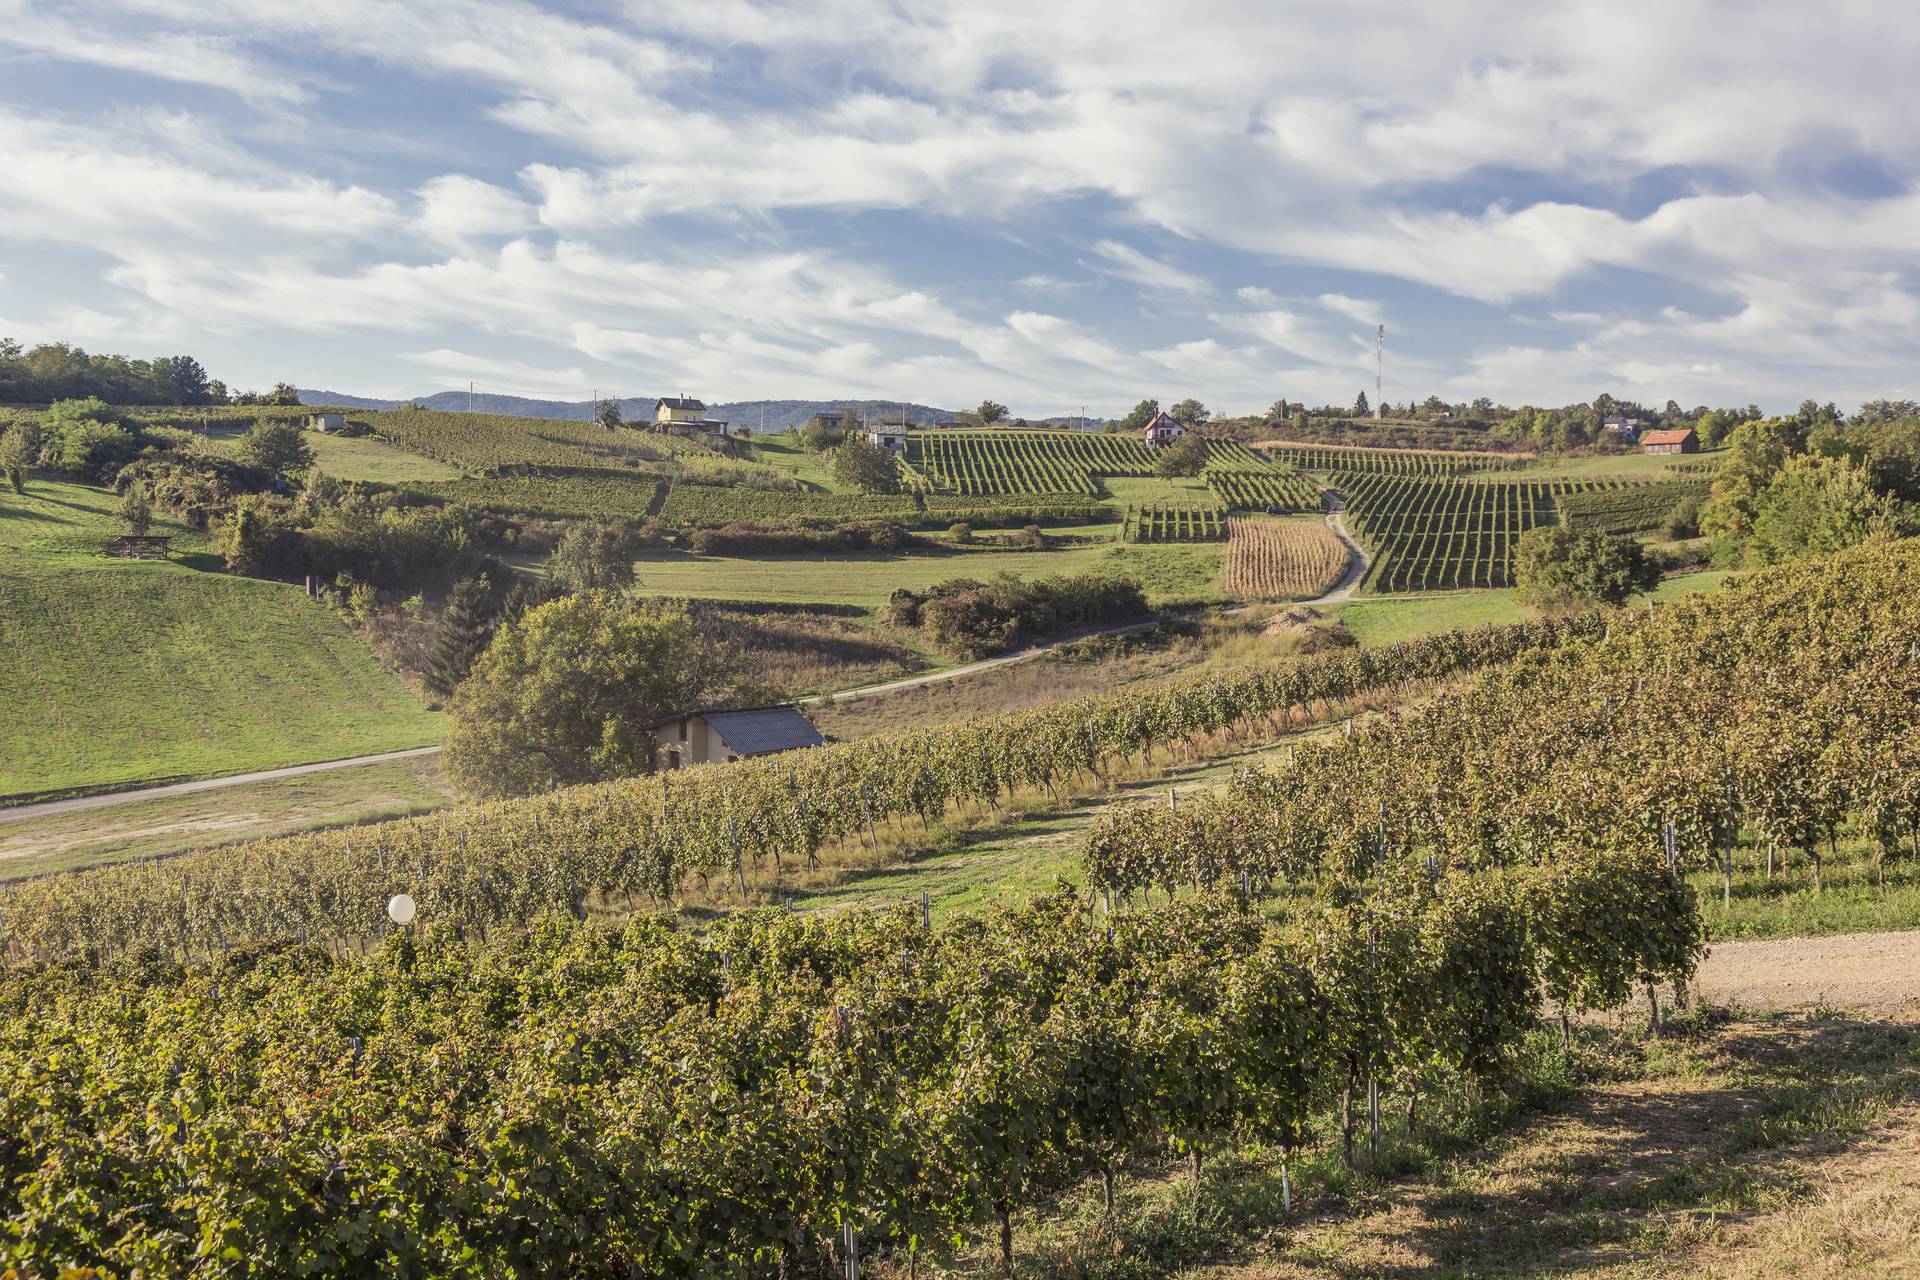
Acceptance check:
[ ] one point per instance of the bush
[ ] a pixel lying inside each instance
(403, 549)
(1556, 568)
(197, 491)
(592, 557)
(801, 537)
(868, 466)
(1684, 520)
(277, 448)
(961, 532)
(1186, 456)
(974, 618)
(88, 439)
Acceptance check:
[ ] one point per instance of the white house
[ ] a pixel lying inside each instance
(1161, 430)
(707, 737)
(891, 436)
(326, 421)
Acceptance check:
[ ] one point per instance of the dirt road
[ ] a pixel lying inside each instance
(50, 808)
(1874, 973)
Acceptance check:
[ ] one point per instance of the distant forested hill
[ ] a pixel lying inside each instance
(761, 415)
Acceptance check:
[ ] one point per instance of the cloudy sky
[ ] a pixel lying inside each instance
(1053, 204)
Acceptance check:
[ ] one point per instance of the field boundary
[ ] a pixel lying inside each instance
(102, 799)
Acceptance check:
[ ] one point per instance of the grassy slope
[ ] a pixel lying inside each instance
(1167, 572)
(364, 458)
(124, 672)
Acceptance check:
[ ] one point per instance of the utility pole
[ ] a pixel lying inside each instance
(1379, 363)
(469, 396)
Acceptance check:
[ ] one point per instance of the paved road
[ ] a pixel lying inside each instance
(52, 808)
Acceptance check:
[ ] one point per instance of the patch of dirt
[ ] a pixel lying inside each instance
(1308, 630)
(1874, 973)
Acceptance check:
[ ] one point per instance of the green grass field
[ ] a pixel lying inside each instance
(1168, 573)
(122, 672)
(366, 458)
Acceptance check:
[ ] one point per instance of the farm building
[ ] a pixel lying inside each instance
(1161, 429)
(679, 416)
(891, 436)
(1670, 440)
(1627, 429)
(707, 737)
(326, 421)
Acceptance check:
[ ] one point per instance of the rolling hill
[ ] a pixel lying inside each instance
(761, 415)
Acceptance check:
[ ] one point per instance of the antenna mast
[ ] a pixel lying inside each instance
(1379, 362)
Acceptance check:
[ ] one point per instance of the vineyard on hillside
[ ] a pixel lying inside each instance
(484, 868)
(1173, 522)
(1397, 462)
(1772, 715)
(1629, 509)
(972, 463)
(1271, 559)
(1274, 490)
(1437, 534)
(1393, 911)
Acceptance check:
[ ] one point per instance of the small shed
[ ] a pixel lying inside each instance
(326, 421)
(1670, 440)
(891, 436)
(707, 737)
(1161, 429)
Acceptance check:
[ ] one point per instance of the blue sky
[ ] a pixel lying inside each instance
(1075, 203)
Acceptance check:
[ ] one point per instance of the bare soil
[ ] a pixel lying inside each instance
(1876, 974)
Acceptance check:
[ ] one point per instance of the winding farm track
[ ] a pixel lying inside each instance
(51, 808)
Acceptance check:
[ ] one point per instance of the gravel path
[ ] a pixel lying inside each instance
(1876, 973)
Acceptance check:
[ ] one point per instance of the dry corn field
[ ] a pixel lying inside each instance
(1281, 559)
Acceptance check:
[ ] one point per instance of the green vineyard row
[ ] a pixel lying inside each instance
(1785, 706)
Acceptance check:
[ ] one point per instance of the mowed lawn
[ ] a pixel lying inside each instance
(1169, 573)
(120, 672)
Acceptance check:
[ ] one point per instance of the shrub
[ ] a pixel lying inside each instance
(87, 438)
(800, 537)
(1555, 567)
(592, 557)
(860, 462)
(974, 618)
(277, 448)
(961, 532)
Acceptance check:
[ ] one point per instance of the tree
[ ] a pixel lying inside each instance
(989, 413)
(592, 557)
(1188, 413)
(87, 437)
(17, 451)
(1279, 411)
(1556, 568)
(1142, 414)
(249, 537)
(570, 692)
(135, 511)
(183, 380)
(1360, 407)
(607, 414)
(862, 463)
(1817, 505)
(461, 635)
(1186, 456)
(278, 448)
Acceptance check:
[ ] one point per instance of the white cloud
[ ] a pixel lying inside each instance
(1127, 263)
(455, 209)
(1359, 310)
(659, 149)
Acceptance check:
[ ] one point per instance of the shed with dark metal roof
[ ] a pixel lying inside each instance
(705, 737)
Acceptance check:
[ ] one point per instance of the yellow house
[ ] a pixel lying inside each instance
(679, 416)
